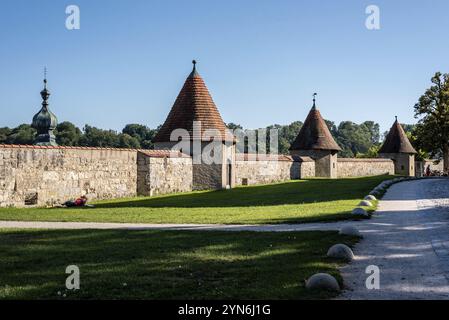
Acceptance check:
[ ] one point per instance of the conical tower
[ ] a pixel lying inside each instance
(45, 121)
(195, 119)
(397, 147)
(315, 140)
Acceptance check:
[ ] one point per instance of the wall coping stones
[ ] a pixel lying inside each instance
(271, 157)
(363, 160)
(148, 152)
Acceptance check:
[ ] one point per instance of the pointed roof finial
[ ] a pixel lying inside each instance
(314, 99)
(194, 72)
(45, 77)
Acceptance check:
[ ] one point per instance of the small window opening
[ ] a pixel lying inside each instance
(31, 199)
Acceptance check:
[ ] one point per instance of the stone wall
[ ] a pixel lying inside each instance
(162, 175)
(354, 167)
(421, 166)
(404, 163)
(31, 175)
(47, 175)
(325, 161)
(258, 169)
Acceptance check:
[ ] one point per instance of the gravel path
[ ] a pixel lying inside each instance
(407, 238)
(409, 242)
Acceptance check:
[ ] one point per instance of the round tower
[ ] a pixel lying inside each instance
(398, 148)
(314, 140)
(195, 120)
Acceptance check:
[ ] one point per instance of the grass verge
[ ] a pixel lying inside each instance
(313, 200)
(124, 264)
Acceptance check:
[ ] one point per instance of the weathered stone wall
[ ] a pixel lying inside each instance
(325, 161)
(41, 176)
(404, 163)
(162, 175)
(354, 167)
(250, 169)
(421, 166)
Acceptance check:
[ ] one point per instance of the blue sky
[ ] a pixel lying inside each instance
(261, 60)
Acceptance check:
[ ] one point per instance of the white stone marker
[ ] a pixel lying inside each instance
(349, 231)
(322, 281)
(341, 251)
(365, 203)
(360, 211)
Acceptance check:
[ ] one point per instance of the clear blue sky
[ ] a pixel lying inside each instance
(261, 60)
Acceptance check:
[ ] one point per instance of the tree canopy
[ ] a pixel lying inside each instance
(432, 131)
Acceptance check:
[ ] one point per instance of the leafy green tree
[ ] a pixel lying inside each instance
(67, 134)
(4, 133)
(22, 134)
(373, 152)
(143, 134)
(433, 127)
(233, 126)
(94, 137)
(356, 139)
(126, 141)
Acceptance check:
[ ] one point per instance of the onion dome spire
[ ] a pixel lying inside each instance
(45, 121)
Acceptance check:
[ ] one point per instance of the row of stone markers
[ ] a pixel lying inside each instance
(324, 281)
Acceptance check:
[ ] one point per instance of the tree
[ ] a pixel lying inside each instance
(126, 141)
(355, 139)
(233, 126)
(4, 133)
(143, 134)
(23, 134)
(94, 137)
(67, 134)
(433, 127)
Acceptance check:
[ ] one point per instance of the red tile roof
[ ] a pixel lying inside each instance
(314, 134)
(194, 103)
(396, 141)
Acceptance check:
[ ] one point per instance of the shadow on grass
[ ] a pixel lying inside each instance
(164, 264)
(294, 192)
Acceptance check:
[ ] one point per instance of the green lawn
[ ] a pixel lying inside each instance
(290, 202)
(164, 264)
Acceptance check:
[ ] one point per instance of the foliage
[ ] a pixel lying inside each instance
(432, 131)
(354, 139)
(141, 133)
(67, 134)
(22, 134)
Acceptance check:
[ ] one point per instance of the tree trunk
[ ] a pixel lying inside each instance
(446, 158)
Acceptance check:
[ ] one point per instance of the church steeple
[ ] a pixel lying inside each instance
(45, 121)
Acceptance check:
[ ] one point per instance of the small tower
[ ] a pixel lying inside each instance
(45, 121)
(194, 115)
(398, 148)
(315, 140)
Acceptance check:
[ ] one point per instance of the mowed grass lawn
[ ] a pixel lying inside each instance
(165, 264)
(290, 202)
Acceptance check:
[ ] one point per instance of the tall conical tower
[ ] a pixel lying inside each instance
(315, 140)
(194, 116)
(45, 121)
(398, 148)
